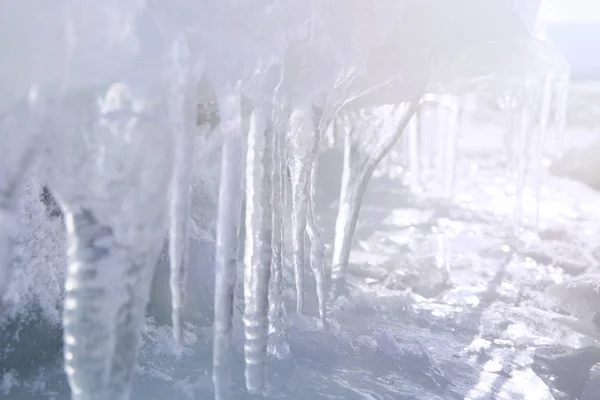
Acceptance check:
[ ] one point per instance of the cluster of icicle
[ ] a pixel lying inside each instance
(100, 97)
(534, 108)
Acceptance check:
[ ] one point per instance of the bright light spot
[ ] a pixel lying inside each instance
(70, 304)
(70, 340)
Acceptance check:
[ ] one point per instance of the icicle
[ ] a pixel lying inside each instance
(523, 138)
(278, 201)
(227, 232)
(509, 133)
(317, 249)
(427, 138)
(94, 289)
(347, 216)
(413, 147)
(360, 160)
(545, 99)
(257, 257)
(179, 225)
(183, 109)
(449, 149)
(107, 290)
(303, 138)
(560, 116)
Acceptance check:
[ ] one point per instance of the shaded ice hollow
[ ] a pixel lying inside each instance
(99, 103)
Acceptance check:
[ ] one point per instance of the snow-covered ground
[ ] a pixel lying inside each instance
(445, 300)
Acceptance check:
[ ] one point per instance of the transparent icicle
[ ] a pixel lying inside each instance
(544, 103)
(560, 115)
(113, 243)
(510, 134)
(450, 146)
(384, 127)
(317, 248)
(278, 231)
(257, 257)
(347, 216)
(302, 143)
(427, 138)
(183, 106)
(179, 224)
(413, 142)
(523, 138)
(227, 234)
(94, 289)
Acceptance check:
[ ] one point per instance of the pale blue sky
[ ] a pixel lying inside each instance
(570, 10)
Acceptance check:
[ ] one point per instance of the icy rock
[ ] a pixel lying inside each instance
(567, 370)
(580, 296)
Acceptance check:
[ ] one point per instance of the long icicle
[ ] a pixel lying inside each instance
(523, 139)
(413, 139)
(302, 132)
(113, 248)
(317, 247)
(449, 151)
(545, 99)
(90, 304)
(226, 242)
(560, 116)
(257, 256)
(276, 289)
(355, 177)
(179, 222)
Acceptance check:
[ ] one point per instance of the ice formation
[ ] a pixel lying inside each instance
(109, 123)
